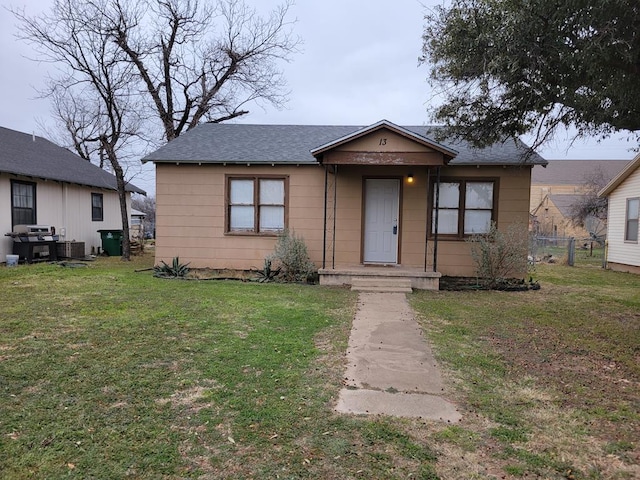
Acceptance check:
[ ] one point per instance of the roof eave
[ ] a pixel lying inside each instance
(621, 177)
(129, 187)
(235, 162)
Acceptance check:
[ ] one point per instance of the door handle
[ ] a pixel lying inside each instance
(395, 229)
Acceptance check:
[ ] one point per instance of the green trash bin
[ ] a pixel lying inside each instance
(111, 242)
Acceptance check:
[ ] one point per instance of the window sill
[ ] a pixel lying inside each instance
(252, 234)
(451, 238)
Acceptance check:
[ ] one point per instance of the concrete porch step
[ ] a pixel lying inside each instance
(381, 284)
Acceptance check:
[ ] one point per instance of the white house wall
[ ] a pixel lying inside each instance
(621, 252)
(65, 206)
(5, 216)
(74, 222)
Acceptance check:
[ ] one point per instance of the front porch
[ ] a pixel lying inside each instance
(380, 278)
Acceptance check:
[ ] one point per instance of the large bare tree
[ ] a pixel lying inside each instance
(93, 93)
(590, 211)
(202, 61)
(132, 66)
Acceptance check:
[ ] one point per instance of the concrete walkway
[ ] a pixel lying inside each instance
(391, 369)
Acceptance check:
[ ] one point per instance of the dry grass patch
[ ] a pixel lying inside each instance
(548, 379)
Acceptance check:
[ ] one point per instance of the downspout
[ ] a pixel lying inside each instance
(437, 219)
(324, 233)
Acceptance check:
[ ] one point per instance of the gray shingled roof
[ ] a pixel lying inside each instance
(575, 172)
(291, 144)
(37, 157)
(565, 202)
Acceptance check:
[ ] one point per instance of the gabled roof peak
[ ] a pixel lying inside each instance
(448, 152)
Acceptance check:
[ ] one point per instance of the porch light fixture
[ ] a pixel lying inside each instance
(410, 178)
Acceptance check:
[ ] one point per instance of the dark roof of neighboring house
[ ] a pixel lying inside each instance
(628, 169)
(292, 144)
(575, 172)
(36, 157)
(565, 202)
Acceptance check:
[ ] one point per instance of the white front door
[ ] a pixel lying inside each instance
(381, 220)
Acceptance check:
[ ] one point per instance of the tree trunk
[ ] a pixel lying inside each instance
(122, 196)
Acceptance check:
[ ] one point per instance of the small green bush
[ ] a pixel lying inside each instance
(292, 258)
(499, 256)
(175, 270)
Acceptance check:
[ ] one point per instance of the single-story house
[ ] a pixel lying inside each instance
(554, 218)
(623, 191)
(49, 186)
(361, 197)
(559, 187)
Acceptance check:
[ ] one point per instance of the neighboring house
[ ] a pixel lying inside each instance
(359, 196)
(44, 184)
(623, 192)
(561, 185)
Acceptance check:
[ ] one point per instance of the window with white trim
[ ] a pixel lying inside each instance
(256, 205)
(631, 220)
(466, 207)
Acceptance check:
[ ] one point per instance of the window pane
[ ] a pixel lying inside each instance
(272, 192)
(449, 195)
(96, 207)
(241, 192)
(241, 218)
(23, 217)
(632, 231)
(479, 195)
(633, 206)
(633, 211)
(447, 222)
(271, 219)
(477, 221)
(22, 195)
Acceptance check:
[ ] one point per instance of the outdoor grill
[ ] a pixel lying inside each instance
(33, 242)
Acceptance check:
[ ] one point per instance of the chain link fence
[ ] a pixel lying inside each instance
(565, 250)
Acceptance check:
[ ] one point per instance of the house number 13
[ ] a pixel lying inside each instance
(383, 141)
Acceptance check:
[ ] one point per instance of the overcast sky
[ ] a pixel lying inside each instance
(358, 65)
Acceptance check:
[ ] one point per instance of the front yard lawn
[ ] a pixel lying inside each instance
(108, 373)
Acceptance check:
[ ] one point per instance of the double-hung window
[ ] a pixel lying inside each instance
(256, 205)
(631, 220)
(466, 207)
(23, 203)
(97, 207)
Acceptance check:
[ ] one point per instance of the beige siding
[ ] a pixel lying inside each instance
(513, 199)
(190, 217)
(384, 141)
(66, 207)
(619, 251)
